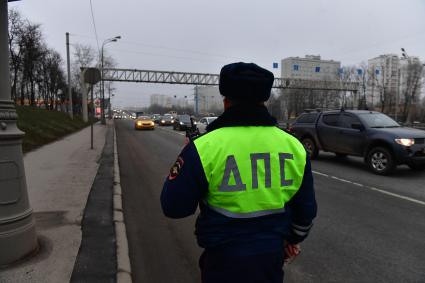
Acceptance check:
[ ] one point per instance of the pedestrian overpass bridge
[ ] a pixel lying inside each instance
(185, 78)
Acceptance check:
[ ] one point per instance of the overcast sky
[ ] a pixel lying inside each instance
(202, 36)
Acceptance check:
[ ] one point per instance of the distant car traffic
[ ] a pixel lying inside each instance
(166, 120)
(182, 122)
(144, 123)
(380, 140)
(156, 118)
(203, 123)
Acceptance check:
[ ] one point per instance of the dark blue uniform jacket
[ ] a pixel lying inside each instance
(186, 186)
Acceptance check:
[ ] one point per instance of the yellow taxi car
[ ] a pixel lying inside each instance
(144, 123)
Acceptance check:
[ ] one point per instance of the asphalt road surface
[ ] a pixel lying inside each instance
(369, 228)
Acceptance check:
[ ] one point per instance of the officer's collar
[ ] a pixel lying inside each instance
(243, 115)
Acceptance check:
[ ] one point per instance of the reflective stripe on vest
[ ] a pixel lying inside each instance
(251, 171)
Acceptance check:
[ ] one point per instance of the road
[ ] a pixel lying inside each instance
(369, 228)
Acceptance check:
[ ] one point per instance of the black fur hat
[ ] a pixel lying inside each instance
(246, 82)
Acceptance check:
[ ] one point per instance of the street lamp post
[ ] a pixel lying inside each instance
(102, 84)
(17, 228)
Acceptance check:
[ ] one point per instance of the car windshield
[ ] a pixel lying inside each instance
(167, 118)
(144, 118)
(184, 118)
(210, 119)
(378, 120)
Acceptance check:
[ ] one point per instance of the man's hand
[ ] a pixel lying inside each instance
(291, 252)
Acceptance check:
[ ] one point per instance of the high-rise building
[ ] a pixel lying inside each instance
(161, 100)
(410, 72)
(311, 67)
(393, 75)
(169, 101)
(207, 99)
(383, 72)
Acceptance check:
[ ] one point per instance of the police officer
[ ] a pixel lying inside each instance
(252, 181)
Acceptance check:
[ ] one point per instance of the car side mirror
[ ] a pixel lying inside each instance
(357, 126)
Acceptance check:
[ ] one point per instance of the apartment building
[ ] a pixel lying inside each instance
(394, 74)
(207, 99)
(311, 67)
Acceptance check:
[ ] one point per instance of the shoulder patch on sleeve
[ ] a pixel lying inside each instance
(175, 169)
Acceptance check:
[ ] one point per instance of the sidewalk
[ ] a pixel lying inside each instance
(59, 179)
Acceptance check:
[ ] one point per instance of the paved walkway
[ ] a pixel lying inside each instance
(59, 178)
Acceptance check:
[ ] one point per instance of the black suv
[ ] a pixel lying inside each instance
(182, 122)
(382, 142)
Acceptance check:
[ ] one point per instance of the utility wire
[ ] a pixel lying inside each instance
(94, 25)
(169, 48)
(179, 49)
(165, 55)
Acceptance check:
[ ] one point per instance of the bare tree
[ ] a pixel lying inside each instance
(83, 56)
(411, 88)
(53, 79)
(35, 68)
(32, 53)
(15, 48)
(421, 110)
(383, 78)
(348, 75)
(363, 74)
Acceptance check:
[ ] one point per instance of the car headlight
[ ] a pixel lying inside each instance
(405, 142)
(181, 123)
(139, 123)
(172, 121)
(195, 123)
(152, 123)
(162, 121)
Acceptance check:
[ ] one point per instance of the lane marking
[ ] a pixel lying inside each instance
(371, 188)
(319, 173)
(341, 180)
(170, 131)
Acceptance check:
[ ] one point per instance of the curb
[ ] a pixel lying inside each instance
(123, 259)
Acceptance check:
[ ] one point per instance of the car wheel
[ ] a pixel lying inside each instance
(310, 147)
(416, 167)
(380, 161)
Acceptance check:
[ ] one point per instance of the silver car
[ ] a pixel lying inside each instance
(203, 123)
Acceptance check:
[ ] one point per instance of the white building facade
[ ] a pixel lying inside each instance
(207, 99)
(161, 100)
(395, 74)
(169, 101)
(383, 72)
(311, 67)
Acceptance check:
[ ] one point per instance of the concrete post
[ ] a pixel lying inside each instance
(68, 68)
(102, 92)
(196, 101)
(17, 228)
(84, 97)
